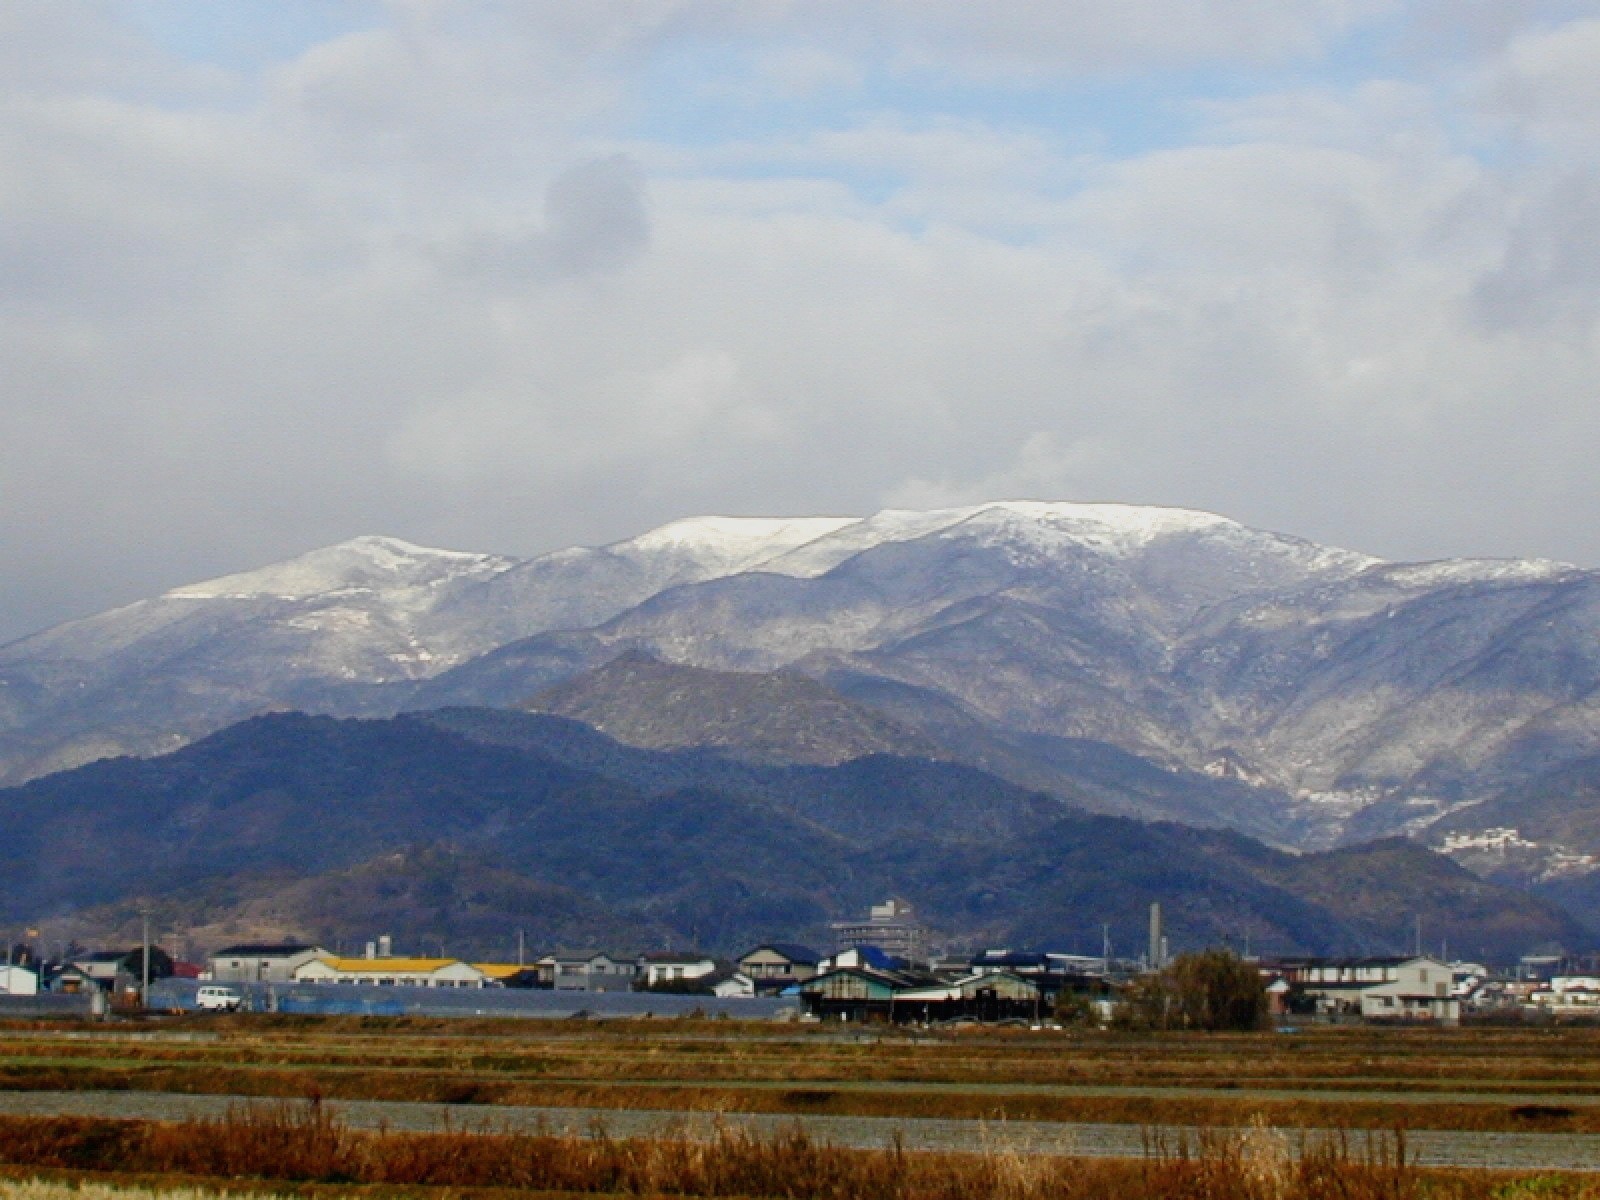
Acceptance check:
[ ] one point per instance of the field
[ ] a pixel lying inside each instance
(1348, 1105)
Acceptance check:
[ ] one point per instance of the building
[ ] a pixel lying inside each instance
(511, 975)
(775, 966)
(1568, 996)
(594, 973)
(981, 996)
(1412, 989)
(262, 962)
(120, 971)
(393, 972)
(863, 993)
(865, 956)
(732, 985)
(1054, 975)
(18, 981)
(855, 993)
(891, 927)
(655, 970)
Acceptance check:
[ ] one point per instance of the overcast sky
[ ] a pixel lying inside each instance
(512, 276)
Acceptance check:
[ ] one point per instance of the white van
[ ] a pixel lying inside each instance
(212, 998)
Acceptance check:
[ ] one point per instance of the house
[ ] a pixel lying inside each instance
(1415, 989)
(993, 995)
(854, 993)
(18, 981)
(861, 993)
(120, 970)
(70, 980)
(393, 972)
(1568, 996)
(1053, 974)
(890, 926)
(774, 966)
(510, 975)
(864, 956)
(262, 962)
(731, 985)
(657, 969)
(593, 973)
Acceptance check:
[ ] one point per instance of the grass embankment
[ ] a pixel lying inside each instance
(714, 1066)
(305, 1144)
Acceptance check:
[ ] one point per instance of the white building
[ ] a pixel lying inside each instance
(394, 972)
(1569, 995)
(738, 985)
(261, 962)
(674, 968)
(18, 981)
(1418, 988)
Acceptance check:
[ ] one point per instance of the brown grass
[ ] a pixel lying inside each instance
(303, 1142)
(1153, 1109)
(725, 1052)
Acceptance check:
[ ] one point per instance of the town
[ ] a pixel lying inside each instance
(879, 970)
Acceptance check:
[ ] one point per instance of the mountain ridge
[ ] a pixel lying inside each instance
(443, 825)
(1342, 697)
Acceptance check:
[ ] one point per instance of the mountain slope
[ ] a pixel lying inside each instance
(778, 717)
(303, 802)
(1326, 695)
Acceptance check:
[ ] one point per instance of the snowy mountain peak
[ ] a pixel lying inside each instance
(734, 543)
(362, 562)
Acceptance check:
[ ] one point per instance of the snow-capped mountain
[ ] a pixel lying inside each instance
(1335, 694)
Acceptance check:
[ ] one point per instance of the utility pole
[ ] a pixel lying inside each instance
(521, 947)
(144, 965)
(1418, 948)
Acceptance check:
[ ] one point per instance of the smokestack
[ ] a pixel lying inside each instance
(385, 946)
(372, 949)
(1158, 956)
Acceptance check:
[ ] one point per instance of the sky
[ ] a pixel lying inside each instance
(511, 276)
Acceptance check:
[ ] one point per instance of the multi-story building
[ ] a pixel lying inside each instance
(891, 927)
(1416, 988)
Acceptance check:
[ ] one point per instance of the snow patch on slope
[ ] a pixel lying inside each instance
(731, 544)
(1449, 571)
(363, 563)
(1046, 527)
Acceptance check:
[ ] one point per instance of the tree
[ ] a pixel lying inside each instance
(1214, 990)
(160, 963)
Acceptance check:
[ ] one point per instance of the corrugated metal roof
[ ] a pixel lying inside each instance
(393, 965)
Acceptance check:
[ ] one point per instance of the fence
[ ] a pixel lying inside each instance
(355, 999)
(53, 1004)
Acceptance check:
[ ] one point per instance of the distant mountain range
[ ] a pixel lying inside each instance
(458, 828)
(1148, 662)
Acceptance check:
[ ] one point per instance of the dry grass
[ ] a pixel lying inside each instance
(728, 1053)
(1133, 1109)
(303, 1142)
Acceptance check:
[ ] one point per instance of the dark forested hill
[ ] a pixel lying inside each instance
(464, 825)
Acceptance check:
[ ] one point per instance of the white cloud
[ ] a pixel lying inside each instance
(1548, 83)
(443, 277)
